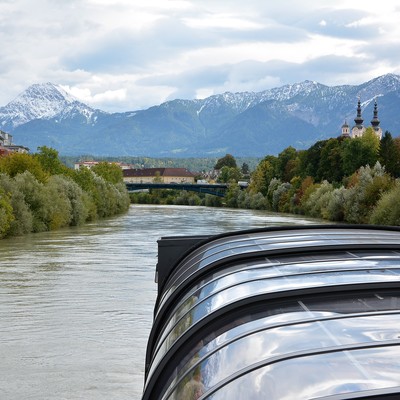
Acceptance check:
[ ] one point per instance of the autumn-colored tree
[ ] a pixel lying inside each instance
(17, 163)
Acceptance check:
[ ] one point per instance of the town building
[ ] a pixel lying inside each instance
(90, 164)
(7, 146)
(162, 175)
(359, 129)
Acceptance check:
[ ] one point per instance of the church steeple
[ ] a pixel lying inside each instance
(359, 120)
(345, 129)
(375, 120)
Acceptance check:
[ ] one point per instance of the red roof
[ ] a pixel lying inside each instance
(183, 172)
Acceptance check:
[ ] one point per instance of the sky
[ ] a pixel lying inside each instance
(126, 55)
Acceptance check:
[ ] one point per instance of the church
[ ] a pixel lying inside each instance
(359, 129)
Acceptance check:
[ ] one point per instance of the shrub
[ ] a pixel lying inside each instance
(34, 196)
(318, 201)
(387, 210)
(280, 196)
(258, 202)
(212, 201)
(22, 216)
(334, 211)
(6, 213)
(368, 185)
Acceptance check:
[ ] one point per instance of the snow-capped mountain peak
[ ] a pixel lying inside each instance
(42, 101)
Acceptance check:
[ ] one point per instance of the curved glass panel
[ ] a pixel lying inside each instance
(291, 312)
(267, 241)
(315, 376)
(264, 271)
(288, 239)
(266, 286)
(284, 340)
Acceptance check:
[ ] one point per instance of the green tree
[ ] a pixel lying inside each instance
(229, 175)
(366, 187)
(17, 163)
(331, 165)
(245, 169)
(6, 213)
(227, 161)
(22, 222)
(310, 160)
(232, 196)
(48, 159)
(111, 172)
(261, 177)
(389, 155)
(58, 206)
(387, 210)
(35, 197)
(359, 152)
(157, 177)
(287, 164)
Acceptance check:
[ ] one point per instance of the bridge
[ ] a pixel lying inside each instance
(218, 189)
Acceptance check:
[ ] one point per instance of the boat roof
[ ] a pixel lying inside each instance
(238, 313)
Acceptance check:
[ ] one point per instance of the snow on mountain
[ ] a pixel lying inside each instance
(43, 101)
(246, 124)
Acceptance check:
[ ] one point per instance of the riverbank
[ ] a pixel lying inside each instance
(38, 193)
(369, 197)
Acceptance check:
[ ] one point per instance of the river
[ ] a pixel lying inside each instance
(76, 304)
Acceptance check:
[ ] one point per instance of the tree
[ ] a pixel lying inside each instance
(23, 218)
(359, 152)
(227, 161)
(389, 154)
(229, 175)
(48, 159)
(245, 169)
(6, 213)
(261, 177)
(330, 165)
(17, 163)
(110, 172)
(286, 164)
(387, 210)
(232, 196)
(157, 177)
(310, 160)
(396, 171)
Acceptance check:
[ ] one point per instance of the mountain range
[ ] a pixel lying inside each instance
(249, 124)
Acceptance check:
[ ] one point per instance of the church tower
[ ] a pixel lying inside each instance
(358, 130)
(375, 122)
(345, 130)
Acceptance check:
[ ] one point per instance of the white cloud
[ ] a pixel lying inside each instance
(130, 54)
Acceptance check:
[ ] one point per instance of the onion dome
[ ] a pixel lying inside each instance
(359, 120)
(375, 120)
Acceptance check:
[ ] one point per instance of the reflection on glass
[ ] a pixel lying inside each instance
(286, 340)
(264, 270)
(330, 311)
(220, 248)
(261, 287)
(318, 376)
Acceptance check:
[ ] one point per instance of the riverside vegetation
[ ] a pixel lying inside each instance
(39, 193)
(338, 179)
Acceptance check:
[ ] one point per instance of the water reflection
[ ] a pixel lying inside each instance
(76, 305)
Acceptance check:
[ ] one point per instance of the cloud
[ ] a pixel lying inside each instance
(128, 50)
(129, 54)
